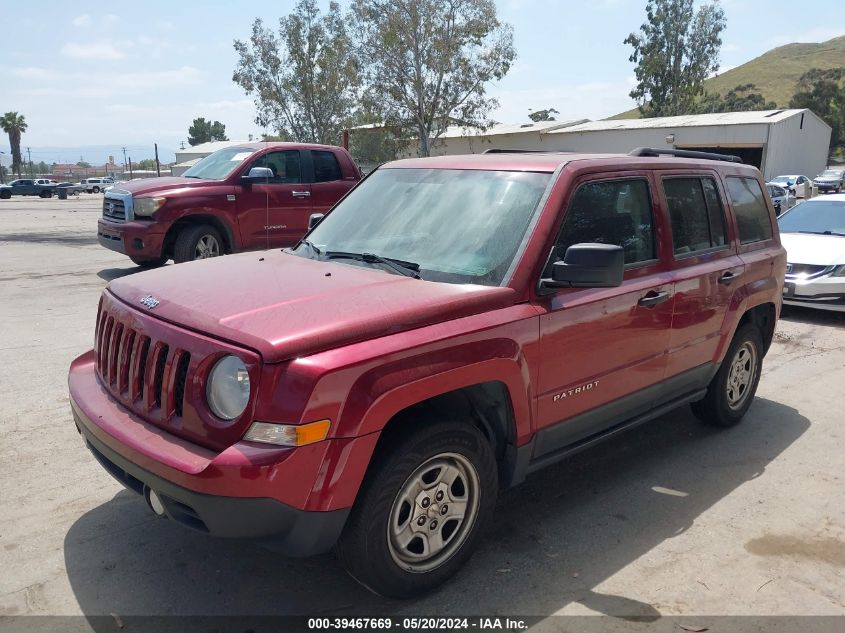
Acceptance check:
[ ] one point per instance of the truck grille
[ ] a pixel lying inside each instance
(114, 210)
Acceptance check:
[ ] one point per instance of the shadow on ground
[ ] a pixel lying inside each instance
(108, 274)
(798, 314)
(554, 539)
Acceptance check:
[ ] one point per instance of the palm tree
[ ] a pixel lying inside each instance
(14, 125)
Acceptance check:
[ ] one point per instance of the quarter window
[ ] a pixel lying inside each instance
(752, 214)
(698, 222)
(326, 167)
(610, 212)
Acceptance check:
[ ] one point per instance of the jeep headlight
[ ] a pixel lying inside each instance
(147, 206)
(227, 391)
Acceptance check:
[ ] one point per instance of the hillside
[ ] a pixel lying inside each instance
(775, 72)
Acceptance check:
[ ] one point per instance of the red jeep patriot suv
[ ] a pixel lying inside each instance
(249, 197)
(452, 325)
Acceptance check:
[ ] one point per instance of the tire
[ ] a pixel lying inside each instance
(96, 190)
(406, 475)
(732, 389)
(5, 195)
(149, 263)
(194, 240)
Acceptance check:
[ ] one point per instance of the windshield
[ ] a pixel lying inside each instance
(220, 164)
(459, 226)
(830, 173)
(784, 180)
(822, 216)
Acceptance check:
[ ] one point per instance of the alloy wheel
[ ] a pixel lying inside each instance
(207, 246)
(741, 375)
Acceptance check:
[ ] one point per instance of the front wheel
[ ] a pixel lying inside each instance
(732, 389)
(421, 510)
(5, 195)
(200, 241)
(149, 263)
(96, 190)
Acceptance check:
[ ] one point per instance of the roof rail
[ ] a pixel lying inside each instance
(684, 153)
(515, 151)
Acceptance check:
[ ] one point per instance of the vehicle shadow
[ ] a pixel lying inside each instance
(799, 314)
(108, 274)
(554, 538)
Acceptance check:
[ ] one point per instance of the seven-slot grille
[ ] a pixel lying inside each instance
(146, 374)
(114, 210)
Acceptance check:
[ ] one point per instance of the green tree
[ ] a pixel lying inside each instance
(42, 168)
(14, 125)
(83, 163)
(428, 62)
(543, 115)
(147, 163)
(202, 131)
(744, 98)
(305, 79)
(822, 92)
(676, 49)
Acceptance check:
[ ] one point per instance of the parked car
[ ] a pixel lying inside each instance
(29, 187)
(780, 197)
(71, 187)
(794, 184)
(116, 183)
(46, 182)
(5, 192)
(253, 196)
(96, 185)
(830, 180)
(453, 324)
(813, 233)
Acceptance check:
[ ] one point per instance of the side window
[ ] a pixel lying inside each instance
(284, 165)
(696, 213)
(610, 212)
(326, 167)
(752, 214)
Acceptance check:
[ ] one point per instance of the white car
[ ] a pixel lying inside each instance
(96, 185)
(793, 183)
(813, 234)
(46, 182)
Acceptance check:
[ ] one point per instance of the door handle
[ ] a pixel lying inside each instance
(728, 278)
(653, 298)
(301, 194)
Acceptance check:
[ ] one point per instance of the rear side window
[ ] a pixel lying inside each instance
(698, 222)
(752, 214)
(610, 212)
(326, 167)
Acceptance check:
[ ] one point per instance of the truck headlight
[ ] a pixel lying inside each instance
(147, 206)
(227, 391)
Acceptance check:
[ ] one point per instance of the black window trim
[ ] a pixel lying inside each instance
(589, 181)
(713, 249)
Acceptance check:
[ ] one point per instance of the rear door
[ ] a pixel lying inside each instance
(274, 212)
(706, 270)
(604, 349)
(329, 184)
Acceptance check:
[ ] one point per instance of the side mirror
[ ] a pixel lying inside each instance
(314, 219)
(259, 173)
(588, 266)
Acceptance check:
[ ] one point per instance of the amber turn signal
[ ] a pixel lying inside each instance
(288, 434)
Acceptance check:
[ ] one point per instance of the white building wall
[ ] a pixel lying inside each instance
(798, 149)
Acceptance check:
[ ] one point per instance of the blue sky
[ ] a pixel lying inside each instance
(85, 75)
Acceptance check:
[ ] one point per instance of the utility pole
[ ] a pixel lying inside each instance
(158, 166)
(130, 168)
(29, 155)
(124, 160)
(181, 144)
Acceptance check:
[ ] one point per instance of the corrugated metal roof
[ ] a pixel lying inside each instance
(504, 129)
(692, 120)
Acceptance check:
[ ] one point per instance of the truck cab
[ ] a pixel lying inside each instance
(248, 197)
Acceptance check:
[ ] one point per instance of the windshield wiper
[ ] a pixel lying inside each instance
(822, 233)
(408, 269)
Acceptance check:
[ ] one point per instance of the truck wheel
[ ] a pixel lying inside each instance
(96, 190)
(421, 510)
(732, 389)
(149, 263)
(199, 241)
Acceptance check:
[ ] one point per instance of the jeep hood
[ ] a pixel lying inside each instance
(816, 250)
(284, 306)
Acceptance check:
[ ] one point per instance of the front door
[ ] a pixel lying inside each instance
(274, 212)
(604, 347)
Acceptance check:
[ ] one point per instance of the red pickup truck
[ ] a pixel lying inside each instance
(246, 197)
(454, 324)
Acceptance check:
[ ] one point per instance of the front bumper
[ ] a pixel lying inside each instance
(823, 293)
(136, 239)
(827, 186)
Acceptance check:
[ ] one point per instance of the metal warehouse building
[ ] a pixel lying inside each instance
(776, 141)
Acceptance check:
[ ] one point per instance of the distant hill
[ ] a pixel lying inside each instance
(774, 73)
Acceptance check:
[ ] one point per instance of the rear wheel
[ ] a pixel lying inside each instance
(96, 190)
(200, 241)
(5, 195)
(732, 389)
(149, 263)
(421, 511)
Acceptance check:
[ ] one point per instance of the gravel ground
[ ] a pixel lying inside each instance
(670, 519)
